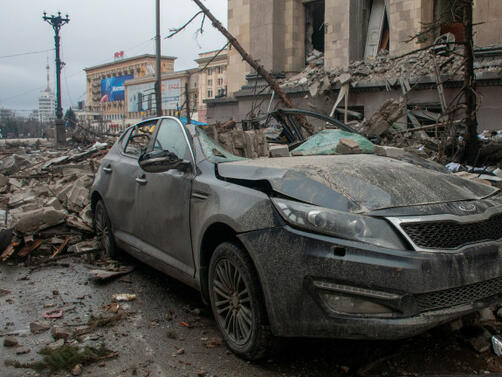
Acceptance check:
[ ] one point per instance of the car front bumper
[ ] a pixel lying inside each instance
(422, 289)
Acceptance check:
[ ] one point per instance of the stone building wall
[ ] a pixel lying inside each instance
(273, 31)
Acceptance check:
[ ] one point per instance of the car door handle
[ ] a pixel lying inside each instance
(141, 181)
(107, 169)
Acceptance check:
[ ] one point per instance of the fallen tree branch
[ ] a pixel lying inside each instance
(253, 63)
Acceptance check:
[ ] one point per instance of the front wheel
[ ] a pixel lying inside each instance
(237, 302)
(103, 230)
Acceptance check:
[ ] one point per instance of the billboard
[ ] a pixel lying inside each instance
(141, 97)
(112, 88)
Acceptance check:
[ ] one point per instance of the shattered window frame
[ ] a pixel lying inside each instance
(150, 127)
(208, 146)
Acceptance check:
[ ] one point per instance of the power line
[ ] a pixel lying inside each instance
(26, 53)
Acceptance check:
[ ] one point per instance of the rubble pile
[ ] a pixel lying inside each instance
(240, 142)
(44, 200)
(387, 69)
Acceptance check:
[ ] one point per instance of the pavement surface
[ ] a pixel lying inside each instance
(167, 331)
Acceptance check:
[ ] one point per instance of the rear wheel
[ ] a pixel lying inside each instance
(103, 229)
(237, 302)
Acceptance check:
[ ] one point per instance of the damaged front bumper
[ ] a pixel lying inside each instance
(320, 286)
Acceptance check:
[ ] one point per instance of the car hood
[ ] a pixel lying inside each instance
(356, 183)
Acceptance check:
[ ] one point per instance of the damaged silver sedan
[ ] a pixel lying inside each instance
(317, 244)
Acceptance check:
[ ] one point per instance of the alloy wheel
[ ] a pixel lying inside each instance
(234, 310)
(102, 228)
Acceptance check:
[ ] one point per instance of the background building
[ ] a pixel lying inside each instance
(121, 93)
(106, 84)
(323, 38)
(212, 78)
(281, 34)
(140, 95)
(47, 103)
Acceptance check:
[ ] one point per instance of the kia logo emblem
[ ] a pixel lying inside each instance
(467, 207)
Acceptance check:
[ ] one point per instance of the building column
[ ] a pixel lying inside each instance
(239, 27)
(336, 42)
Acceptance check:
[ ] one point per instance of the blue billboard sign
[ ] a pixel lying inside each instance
(112, 88)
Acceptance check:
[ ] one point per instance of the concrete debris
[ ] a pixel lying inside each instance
(278, 150)
(22, 351)
(61, 332)
(391, 111)
(10, 341)
(103, 275)
(123, 297)
(390, 70)
(348, 146)
(240, 142)
(55, 345)
(39, 219)
(13, 163)
(45, 193)
(76, 370)
(38, 327)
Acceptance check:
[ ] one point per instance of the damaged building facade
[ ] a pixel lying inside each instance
(371, 41)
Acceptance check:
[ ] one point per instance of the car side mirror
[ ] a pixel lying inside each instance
(161, 161)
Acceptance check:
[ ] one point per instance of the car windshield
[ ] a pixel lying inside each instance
(212, 150)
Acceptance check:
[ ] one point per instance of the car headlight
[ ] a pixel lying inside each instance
(345, 225)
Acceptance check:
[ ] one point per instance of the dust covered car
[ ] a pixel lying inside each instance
(318, 244)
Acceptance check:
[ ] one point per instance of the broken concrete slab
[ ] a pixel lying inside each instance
(59, 332)
(39, 219)
(278, 150)
(347, 146)
(103, 275)
(38, 327)
(390, 111)
(10, 341)
(12, 164)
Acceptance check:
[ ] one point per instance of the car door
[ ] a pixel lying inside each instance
(121, 169)
(163, 201)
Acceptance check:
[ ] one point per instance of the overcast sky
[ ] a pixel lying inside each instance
(97, 29)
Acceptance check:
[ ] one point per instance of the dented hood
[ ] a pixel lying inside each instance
(356, 183)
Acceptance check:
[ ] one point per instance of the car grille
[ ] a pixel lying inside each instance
(451, 235)
(457, 296)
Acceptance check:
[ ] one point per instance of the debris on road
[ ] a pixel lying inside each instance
(38, 327)
(44, 200)
(10, 341)
(112, 272)
(58, 313)
(119, 297)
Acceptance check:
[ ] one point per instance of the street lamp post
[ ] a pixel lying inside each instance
(57, 22)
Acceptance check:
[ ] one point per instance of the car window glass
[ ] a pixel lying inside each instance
(171, 138)
(212, 150)
(139, 138)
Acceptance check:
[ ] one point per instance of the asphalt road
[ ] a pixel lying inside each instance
(151, 339)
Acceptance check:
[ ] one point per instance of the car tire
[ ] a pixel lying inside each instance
(237, 302)
(103, 230)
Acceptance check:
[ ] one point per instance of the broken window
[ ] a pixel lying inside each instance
(424, 114)
(314, 27)
(139, 138)
(213, 151)
(378, 37)
(448, 14)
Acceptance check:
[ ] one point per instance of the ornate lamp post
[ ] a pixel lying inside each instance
(57, 22)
